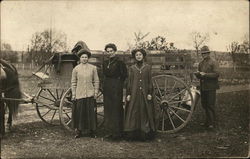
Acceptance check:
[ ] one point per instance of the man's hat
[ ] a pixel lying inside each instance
(204, 49)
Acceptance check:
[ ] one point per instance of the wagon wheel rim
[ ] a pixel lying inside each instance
(174, 103)
(65, 110)
(47, 105)
(66, 105)
(99, 109)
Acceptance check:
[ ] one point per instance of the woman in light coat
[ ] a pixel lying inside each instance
(85, 86)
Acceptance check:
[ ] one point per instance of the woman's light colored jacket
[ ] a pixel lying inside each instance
(84, 81)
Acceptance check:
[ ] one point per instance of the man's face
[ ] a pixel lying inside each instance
(205, 55)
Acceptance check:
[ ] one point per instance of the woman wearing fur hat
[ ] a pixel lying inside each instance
(139, 110)
(85, 86)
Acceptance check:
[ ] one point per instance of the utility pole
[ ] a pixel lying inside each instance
(50, 33)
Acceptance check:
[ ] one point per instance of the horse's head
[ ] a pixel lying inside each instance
(2, 73)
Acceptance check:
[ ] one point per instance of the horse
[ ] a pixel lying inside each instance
(9, 88)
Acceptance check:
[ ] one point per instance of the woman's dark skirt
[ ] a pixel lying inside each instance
(84, 115)
(113, 109)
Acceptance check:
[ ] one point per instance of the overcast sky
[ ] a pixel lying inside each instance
(100, 22)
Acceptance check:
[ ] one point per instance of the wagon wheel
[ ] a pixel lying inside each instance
(66, 105)
(174, 103)
(47, 105)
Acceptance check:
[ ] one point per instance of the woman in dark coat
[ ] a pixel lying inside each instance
(115, 73)
(139, 111)
(85, 86)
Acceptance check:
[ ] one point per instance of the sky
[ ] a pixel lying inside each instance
(99, 22)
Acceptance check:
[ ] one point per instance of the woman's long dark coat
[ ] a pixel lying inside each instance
(115, 72)
(139, 111)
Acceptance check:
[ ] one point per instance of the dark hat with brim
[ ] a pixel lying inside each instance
(133, 52)
(82, 51)
(205, 50)
(80, 45)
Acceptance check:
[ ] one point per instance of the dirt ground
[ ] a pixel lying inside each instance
(31, 138)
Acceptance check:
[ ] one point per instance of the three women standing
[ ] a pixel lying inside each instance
(139, 114)
(85, 87)
(115, 73)
(139, 111)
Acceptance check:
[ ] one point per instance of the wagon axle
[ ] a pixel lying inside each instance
(164, 104)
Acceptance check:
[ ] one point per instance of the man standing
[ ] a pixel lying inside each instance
(208, 75)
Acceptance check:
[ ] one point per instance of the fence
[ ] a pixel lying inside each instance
(25, 66)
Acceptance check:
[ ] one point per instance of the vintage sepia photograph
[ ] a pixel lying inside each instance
(124, 79)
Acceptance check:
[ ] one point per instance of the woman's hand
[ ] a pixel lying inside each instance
(128, 98)
(73, 98)
(149, 97)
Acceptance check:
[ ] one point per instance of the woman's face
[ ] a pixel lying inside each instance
(84, 58)
(111, 52)
(138, 56)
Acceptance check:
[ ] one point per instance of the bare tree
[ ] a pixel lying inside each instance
(246, 44)
(233, 48)
(139, 37)
(199, 39)
(45, 44)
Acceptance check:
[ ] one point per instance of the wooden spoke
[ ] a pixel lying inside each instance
(51, 94)
(180, 101)
(170, 119)
(165, 88)
(173, 86)
(179, 108)
(46, 112)
(46, 98)
(176, 95)
(67, 123)
(66, 101)
(176, 115)
(158, 99)
(45, 105)
(163, 121)
(57, 95)
(68, 115)
(61, 94)
(157, 86)
(53, 116)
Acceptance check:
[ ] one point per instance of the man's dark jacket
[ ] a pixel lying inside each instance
(210, 80)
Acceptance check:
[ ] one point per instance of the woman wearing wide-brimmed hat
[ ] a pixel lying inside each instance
(85, 86)
(115, 73)
(139, 111)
